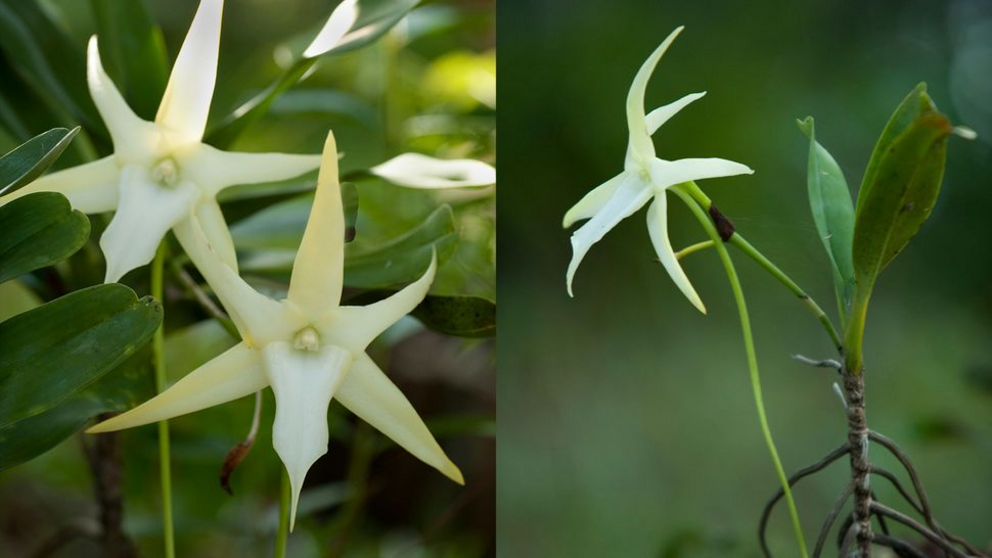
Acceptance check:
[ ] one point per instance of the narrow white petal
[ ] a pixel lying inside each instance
(640, 141)
(658, 229)
(630, 195)
(145, 213)
(186, 103)
(420, 171)
(235, 373)
(660, 115)
(369, 393)
(337, 26)
(213, 169)
(211, 220)
(354, 327)
(257, 317)
(592, 202)
(304, 383)
(90, 188)
(318, 272)
(669, 173)
(134, 138)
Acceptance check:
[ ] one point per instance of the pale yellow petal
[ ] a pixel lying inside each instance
(303, 382)
(630, 195)
(592, 202)
(213, 169)
(145, 213)
(186, 103)
(657, 118)
(641, 147)
(658, 229)
(342, 19)
(414, 170)
(669, 173)
(318, 272)
(370, 394)
(135, 140)
(90, 188)
(354, 327)
(233, 374)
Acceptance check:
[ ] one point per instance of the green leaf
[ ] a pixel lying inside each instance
(404, 258)
(833, 213)
(47, 59)
(375, 18)
(120, 389)
(32, 158)
(52, 352)
(40, 229)
(134, 52)
(903, 181)
(462, 316)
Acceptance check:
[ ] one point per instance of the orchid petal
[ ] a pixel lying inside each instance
(315, 286)
(341, 21)
(218, 236)
(234, 374)
(640, 141)
(630, 195)
(657, 118)
(90, 188)
(256, 316)
(658, 229)
(132, 136)
(592, 202)
(356, 326)
(420, 171)
(304, 383)
(370, 394)
(669, 173)
(186, 102)
(213, 169)
(145, 213)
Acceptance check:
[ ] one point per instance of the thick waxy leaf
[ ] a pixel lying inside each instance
(461, 316)
(133, 52)
(39, 230)
(372, 20)
(29, 160)
(906, 172)
(120, 389)
(52, 352)
(833, 212)
(47, 59)
(404, 258)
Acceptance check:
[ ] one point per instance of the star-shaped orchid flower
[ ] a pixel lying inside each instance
(161, 172)
(645, 176)
(308, 347)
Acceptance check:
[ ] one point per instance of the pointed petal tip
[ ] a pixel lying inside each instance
(452, 471)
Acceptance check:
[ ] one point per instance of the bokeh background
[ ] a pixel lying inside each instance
(428, 86)
(626, 420)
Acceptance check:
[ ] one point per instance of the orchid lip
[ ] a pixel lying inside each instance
(166, 172)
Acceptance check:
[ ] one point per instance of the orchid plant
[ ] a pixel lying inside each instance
(899, 190)
(173, 174)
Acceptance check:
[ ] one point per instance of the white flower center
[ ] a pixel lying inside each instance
(306, 340)
(166, 172)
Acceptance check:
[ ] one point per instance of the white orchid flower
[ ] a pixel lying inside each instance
(645, 176)
(307, 347)
(414, 170)
(161, 172)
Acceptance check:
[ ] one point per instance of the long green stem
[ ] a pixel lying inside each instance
(750, 251)
(752, 358)
(158, 358)
(282, 532)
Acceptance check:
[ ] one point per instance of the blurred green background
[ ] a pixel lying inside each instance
(366, 497)
(626, 420)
